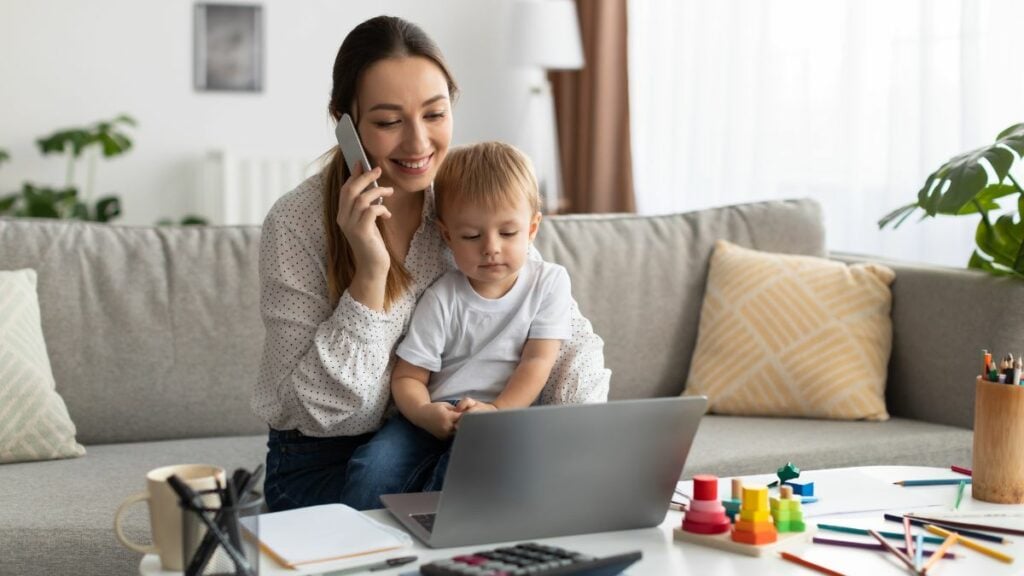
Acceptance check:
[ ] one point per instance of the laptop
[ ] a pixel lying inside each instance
(551, 471)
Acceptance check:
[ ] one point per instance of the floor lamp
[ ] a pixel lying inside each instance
(545, 35)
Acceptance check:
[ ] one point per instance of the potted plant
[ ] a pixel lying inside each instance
(104, 137)
(962, 186)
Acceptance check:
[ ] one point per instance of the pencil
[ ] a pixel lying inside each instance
(957, 529)
(919, 552)
(961, 470)
(808, 564)
(933, 482)
(976, 546)
(898, 553)
(959, 494)
(874, 546)
(863, 532)
(957, 525)
(906, 535)
(946, 545)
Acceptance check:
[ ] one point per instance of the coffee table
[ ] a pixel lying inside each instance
(663, 555)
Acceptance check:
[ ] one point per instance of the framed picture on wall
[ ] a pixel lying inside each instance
(228, 47)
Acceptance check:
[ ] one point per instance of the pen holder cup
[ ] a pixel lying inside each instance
(238, 526)
(998, 455)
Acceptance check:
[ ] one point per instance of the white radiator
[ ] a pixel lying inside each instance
(239, 188)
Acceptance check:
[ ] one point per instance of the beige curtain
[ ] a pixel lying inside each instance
(592, 107)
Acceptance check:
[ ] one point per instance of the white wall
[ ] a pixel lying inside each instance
(67, 63)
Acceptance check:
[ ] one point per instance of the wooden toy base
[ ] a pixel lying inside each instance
(725, 542)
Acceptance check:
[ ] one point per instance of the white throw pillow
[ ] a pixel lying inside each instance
(34, 422)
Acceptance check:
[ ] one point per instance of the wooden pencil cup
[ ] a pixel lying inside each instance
(998, 455)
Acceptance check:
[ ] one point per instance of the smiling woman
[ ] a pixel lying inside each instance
(340, 275)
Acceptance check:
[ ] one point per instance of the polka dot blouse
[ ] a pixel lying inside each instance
(327, 371)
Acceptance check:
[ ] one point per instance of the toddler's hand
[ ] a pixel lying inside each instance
(438, 418)
(468, 404)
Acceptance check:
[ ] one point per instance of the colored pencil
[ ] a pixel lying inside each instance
(932, 482)
(808, 564)
(896, 552)
(959, 495)
(919, 552)
(961, 531)
(957, 525)
(976, 546)
(873, 546)
(906, 536)
(863, 532)
(961, 470)
(946, 545)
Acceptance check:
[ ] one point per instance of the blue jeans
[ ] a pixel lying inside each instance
(306, 471)
(401, 457)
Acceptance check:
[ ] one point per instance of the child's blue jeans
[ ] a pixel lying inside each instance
(401, 457)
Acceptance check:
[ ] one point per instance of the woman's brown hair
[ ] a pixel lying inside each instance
(374, 40)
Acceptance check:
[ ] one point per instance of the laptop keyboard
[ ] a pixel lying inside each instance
(425, 520)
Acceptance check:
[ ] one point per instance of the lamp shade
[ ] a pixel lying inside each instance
(546, 34)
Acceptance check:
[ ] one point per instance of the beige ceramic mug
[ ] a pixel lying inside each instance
(164, 511)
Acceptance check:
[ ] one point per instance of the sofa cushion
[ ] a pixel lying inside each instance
(640, 279)
(738, 445)
(58, 516)
(34, 422)
(784, 335)
(154, 332)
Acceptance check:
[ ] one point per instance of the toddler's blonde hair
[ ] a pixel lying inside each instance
(492, 175)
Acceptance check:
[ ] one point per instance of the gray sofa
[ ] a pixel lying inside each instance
(154, 336)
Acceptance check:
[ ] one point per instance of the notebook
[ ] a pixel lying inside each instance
(324, 533)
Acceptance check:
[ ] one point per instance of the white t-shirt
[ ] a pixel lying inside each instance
(472, 344)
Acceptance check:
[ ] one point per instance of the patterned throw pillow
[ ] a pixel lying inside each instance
(784, 335)
(34, 423)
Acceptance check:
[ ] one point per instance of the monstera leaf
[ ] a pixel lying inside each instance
(957, 182)
(960, 187)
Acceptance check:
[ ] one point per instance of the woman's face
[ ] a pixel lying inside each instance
(405, 120)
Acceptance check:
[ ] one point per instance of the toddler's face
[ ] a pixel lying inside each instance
(490, 246)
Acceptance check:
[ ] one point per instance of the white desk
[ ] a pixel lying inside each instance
(663, 555)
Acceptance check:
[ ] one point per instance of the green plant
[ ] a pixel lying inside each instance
(104, 137)
(962, 186)
(188, 220)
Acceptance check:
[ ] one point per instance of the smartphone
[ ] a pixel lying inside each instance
(352, 149)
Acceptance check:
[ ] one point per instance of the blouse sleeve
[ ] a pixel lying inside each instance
(324, 371)
(579, 375)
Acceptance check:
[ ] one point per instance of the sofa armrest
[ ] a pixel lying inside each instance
(942, 318)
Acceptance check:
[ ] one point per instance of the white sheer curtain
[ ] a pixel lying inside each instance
(850, 102)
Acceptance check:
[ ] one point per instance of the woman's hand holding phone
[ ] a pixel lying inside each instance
(357, 218)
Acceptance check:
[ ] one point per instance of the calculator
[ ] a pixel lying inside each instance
(529, 558)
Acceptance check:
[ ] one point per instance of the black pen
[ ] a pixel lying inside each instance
(389, 563)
